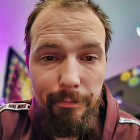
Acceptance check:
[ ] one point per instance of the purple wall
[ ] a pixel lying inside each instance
(13, 16)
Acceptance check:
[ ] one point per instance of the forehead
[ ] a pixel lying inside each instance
(55, 16)
(76, 23)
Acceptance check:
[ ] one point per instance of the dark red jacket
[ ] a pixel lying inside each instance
(17, 122)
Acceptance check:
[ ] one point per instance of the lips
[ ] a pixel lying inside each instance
(67, 103)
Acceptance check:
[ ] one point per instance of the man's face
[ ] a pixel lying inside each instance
(67, 54)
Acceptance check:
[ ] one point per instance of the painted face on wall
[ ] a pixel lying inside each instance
(67, 59)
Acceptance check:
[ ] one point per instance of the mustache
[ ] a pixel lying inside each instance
(75, 97)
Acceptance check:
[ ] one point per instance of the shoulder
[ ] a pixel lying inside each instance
(128, 127)
(12, 112)
(126, 118)
(13, 116)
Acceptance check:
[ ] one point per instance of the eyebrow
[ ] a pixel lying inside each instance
(96, 46)
(47, 45)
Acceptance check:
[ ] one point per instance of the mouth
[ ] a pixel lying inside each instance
(67, 103)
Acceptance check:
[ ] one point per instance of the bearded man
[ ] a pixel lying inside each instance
(66, 51)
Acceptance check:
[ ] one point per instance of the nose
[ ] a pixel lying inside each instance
(69, 75)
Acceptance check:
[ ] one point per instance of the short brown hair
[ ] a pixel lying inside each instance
(68, 4)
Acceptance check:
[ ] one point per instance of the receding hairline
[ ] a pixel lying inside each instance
(58, 6)
(79, 5)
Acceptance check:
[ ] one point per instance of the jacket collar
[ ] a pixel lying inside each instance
(112, 115)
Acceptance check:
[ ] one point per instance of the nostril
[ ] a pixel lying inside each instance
(75, 86)
(69, 86)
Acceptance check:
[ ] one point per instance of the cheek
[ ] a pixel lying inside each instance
(43, 83)
(93, 80)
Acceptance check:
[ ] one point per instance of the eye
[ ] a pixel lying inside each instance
(49, 58)
(89, 58)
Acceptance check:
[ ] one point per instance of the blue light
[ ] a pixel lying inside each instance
(138, 30)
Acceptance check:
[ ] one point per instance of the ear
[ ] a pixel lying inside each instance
(27, 62)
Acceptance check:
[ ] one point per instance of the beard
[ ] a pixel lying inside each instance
(67, 122)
